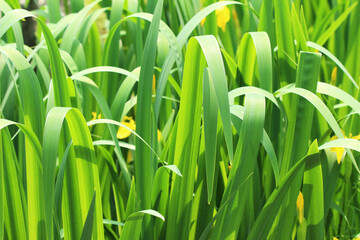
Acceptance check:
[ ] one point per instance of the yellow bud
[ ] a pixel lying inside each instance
(300, 207)
(202, 22)
(222, 17)
(154, 84)
(159, 135)
(333, 76)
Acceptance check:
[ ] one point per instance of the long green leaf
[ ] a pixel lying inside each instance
(314, 198)
(227, 224)
(83, 165)
(267, 215)
(145, 164)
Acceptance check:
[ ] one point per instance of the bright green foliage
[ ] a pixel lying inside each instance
(173, 119)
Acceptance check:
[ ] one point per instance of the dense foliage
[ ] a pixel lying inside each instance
(179, 119)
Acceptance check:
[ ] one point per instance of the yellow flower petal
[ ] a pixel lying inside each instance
(338, 150)
(333, 76)
(339, 153)
(202, 22)
(357, 137)
(129, 157)
(123, 132)
(154, 84)
(159, 135)
(300, 207)
(94, 116)
(222, 17)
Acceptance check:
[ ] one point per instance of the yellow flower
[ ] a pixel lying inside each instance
(123, 132)
(222, 17)
(159, 135)
(129, 157)
(94, 116)
(333, 76)
(130, 123)
(154, 84)
(300, 207)
(340, 150)
(202, 22)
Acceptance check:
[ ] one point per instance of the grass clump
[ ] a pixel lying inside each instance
(179, 120)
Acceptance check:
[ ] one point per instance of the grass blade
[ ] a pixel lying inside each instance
(88, 226)
(227, 224)
(132, 227)
(313, 198)
(145, 165)
(267, 215)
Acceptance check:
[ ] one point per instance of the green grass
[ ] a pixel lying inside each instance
(141, 120)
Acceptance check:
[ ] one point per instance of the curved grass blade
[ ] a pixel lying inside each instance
(325, 112)
(266, 218)
(111, 48)
(104, 69)
(186, 142)
(238, 111)
(344, 143)
(132, 227)
(260, 45)
(334, 59)
(297, 136)
(205, 233)
(111, 143)
(35, 214)
(34, 114)
(227, 224)
(30, 90)
(58, 73)
(218, 80)
(335, 92)
(81, 172)
(307, 76)
(109, 121)
(14, 212)
(11, 18)
(5, 8)
(106, 111)
(181, 40)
